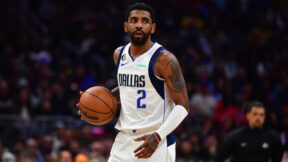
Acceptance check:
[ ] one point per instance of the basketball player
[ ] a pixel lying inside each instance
(152, 93)
(251, 143)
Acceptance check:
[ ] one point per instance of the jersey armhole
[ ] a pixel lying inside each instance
(157, 82)
(119, 57)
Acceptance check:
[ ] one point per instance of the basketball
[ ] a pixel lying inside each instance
(97, 105)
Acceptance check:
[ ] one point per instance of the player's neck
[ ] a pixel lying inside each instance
(138, 50)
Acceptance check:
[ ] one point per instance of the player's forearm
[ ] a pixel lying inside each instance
(176, 116)
(116, 93)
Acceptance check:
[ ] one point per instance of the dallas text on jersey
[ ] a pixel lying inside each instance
(130, 80)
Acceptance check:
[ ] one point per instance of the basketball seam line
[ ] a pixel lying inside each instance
(92, 110)
(100, 100)
(98, 120)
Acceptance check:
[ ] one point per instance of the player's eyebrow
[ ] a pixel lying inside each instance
(142, 17)
(146, 18)
(133, 17)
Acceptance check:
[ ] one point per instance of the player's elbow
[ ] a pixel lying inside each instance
(187, 107)
(185, 104)
(182, 100)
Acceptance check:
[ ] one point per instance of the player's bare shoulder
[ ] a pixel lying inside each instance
(168, 68)
(116, 54)
(164, 61)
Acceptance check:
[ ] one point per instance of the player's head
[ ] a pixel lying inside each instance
(139, 23)
(255, 114)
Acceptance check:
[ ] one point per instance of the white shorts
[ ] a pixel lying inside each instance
(124, 146)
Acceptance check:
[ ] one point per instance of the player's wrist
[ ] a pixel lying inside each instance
(157, 137)
(157, 132)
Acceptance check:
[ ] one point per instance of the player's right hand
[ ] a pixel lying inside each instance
(147, 148)
(78, 106)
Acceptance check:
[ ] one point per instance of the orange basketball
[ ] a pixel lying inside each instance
(97, 105)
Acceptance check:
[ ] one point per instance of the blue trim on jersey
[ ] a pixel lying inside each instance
(130, 54)
(119, 57)
(171, 139)
(157, 83)
(140, 54)
(164, 109)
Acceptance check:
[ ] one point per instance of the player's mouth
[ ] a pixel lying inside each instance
(139, 33)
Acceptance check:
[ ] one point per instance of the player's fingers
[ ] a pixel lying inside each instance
(147, 155)
(77, 105)
(140, 154)
(140, 138)
(79, 113)
(143, 154)
(139, 148)
(81, 92)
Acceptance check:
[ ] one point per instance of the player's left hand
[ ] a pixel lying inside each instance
(77, 105)
(147, 148)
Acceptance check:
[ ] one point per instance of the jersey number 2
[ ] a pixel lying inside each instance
(143, 106)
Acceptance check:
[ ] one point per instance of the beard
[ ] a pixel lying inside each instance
(139, 41)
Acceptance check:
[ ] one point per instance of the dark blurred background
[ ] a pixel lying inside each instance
(231, 52)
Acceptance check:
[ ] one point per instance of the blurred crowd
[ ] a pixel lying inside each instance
(231, 52)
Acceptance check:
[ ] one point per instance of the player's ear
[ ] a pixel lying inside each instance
(125, 26)
(153, 28)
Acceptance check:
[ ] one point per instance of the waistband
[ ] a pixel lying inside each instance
(139, 131)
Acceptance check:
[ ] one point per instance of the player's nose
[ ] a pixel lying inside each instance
(139, 25)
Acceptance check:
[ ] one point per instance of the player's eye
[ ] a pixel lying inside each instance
(133, 20)
(146, 20)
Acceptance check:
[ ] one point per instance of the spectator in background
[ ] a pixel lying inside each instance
(186, 151)
(18, 147)
(46, 107)
(28, 156)
(23, 105)
(253, 142)
(97, 152)
(33, 145)
(8, 156)
(65, 156)
(210, 145)
(58, 136)
(6, 101)
(227, 109)
(202, 102)
(47, 147)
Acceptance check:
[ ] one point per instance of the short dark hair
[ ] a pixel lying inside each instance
(253, 104)
(140, 6)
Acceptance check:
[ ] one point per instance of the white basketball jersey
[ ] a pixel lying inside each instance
(145, 103)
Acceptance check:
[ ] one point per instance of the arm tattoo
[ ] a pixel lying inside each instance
(115, 92)
(175, 76)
